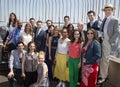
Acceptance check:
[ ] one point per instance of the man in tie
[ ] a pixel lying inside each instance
(39, 37)
(109, 27)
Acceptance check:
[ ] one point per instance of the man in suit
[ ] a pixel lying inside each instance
(32, 22)
(110, 31)
(39, 37)
(95, 24)
(66, 22)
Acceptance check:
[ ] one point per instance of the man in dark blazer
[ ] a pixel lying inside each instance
(93, 23)
(110, 29)
(39, 37)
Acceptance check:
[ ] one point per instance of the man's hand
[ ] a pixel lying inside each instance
(10, 74)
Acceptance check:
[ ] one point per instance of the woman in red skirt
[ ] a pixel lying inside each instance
(91, 53)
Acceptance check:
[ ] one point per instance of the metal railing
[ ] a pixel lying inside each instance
(54, 9)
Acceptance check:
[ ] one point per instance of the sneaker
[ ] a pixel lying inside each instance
(63, 84)
(59, 84)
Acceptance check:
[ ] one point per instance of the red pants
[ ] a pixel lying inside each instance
(89, 75)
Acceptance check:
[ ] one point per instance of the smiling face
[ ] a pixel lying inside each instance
(90, 35)
(66, 20)
(51, 29)
(64, 33)
(49, 23)
(108, 11)
(80, 26)
(41, 57)
(12, 17)
(32, 21)
(28, 28)
(91, 16)
(56, 30)
(32, 47)
(76, 35)
(20, 47)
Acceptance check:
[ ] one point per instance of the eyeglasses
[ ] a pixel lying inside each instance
(89, 33)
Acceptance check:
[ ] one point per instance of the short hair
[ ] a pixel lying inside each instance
(91, 11)
(20, 42)
(49, 20)
(31, 19)
(66, 17)
(39, 21)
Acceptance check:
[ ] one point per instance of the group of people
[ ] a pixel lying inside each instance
(38, 56)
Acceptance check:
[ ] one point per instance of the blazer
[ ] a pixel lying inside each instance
(40, 40)
(112, 30)
(94, 26)
(93, 53)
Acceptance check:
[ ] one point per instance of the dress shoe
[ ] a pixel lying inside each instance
(101, 81)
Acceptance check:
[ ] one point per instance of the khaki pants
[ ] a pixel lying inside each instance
(104, 63)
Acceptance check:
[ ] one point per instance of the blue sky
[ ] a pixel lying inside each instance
(53, 9)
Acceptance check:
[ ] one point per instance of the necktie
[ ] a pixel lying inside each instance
(37, 32)
(103, 23)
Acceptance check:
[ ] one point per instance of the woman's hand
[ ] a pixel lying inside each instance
(84, 60)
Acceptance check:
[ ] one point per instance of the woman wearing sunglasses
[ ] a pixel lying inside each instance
(91, 54)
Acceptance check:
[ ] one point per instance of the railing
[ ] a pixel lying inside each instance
(54, 9)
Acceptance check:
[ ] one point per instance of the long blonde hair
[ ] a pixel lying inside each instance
(30, 30)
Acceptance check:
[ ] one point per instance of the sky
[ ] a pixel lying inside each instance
(53, 9)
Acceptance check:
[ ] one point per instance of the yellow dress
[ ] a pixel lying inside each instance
(61, 70)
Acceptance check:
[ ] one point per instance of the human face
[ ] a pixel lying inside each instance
(41, 58)
(12, 17)
(51, 29)
(32, 22)
(64, 33)
(66, 20)
(56, 32)
(49, 23)
(70, 27)
(80, 27)
(20, 47)
(90, 35)
(91, 16)
(76, 34)
(32, 47)
(19, 23)
(39, 25)
(108, 11)
(27, 28)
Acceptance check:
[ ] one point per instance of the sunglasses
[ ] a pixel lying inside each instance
(89, 33)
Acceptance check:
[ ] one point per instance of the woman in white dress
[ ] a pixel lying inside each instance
(27, 35)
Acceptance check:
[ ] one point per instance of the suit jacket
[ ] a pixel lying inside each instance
(40, 40)
(112, 30)
(94, 26)
(93, 53)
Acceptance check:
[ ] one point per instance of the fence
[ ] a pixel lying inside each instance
(54, 9)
